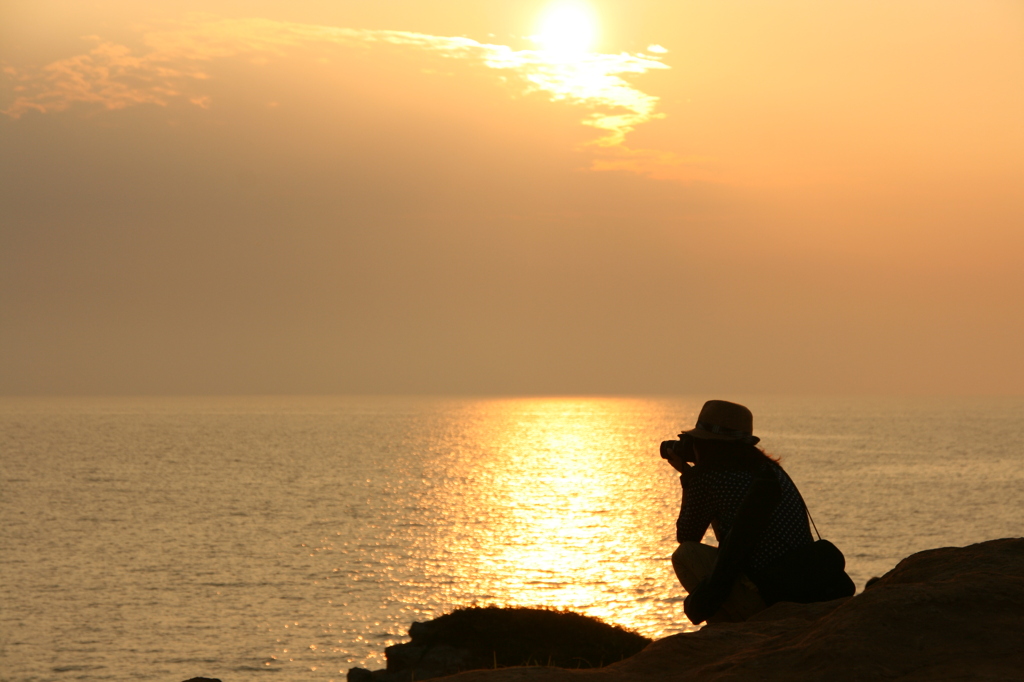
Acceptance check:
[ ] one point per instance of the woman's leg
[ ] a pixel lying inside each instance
(694, 561)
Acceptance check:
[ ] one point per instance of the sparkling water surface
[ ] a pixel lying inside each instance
(293, 538)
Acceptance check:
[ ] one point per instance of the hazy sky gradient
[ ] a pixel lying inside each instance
(409, 196)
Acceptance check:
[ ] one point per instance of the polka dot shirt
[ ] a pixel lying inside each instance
(713, 497)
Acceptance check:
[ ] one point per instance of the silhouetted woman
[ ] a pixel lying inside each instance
(766, 553)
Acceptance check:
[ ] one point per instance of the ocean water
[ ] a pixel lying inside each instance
(293, 538)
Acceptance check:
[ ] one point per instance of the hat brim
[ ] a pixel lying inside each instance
(700, 433)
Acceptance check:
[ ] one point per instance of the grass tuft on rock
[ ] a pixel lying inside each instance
(519, 636)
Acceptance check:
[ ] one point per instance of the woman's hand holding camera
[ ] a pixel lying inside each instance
(678, 453)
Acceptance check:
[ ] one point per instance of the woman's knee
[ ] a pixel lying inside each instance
(693, 562)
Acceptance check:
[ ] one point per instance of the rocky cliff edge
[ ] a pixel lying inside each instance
(942, 614)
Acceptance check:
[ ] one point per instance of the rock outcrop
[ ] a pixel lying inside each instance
(941, 614)
(493, 637)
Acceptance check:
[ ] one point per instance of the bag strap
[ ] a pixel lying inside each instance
(809, 517)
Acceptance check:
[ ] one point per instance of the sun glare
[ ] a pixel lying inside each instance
(568, 28)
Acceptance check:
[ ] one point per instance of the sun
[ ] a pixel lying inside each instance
(568, 28)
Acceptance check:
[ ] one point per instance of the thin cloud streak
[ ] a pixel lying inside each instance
(113, 77)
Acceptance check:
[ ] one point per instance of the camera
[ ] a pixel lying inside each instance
(682, 447)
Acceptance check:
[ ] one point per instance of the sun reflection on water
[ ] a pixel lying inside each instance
(564, 514)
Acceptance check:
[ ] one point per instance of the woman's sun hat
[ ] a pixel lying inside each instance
(722, 420)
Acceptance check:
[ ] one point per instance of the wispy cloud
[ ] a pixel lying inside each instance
(174, 66)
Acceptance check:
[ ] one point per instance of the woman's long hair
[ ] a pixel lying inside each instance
(732, 455)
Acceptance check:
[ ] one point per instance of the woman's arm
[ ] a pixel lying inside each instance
(696, 511)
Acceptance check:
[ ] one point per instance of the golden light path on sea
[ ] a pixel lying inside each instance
(573, 513)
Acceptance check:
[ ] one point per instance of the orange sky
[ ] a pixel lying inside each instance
(441, 197)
